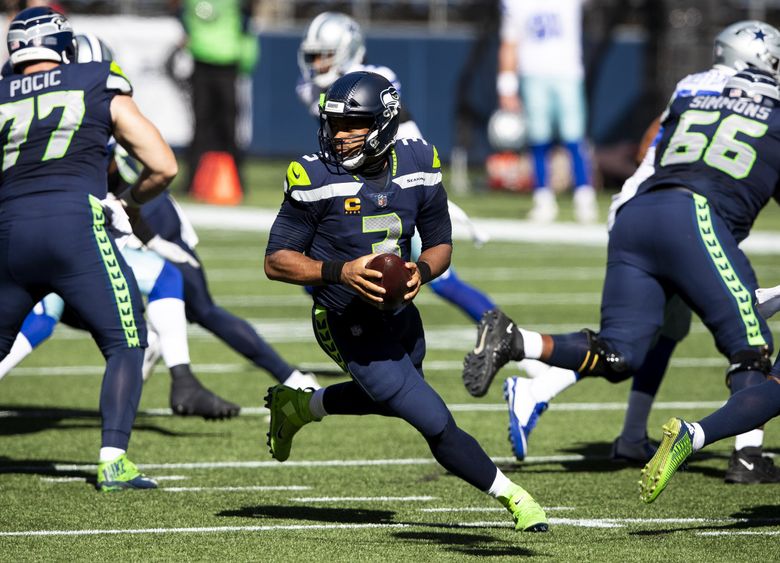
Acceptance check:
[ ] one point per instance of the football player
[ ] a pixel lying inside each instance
(678, 235)
(53, 235)
(736, 47)
(363, 194)
(332, 46)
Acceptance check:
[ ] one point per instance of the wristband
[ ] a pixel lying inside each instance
(331, 271)
(425, 272)
(507, 83)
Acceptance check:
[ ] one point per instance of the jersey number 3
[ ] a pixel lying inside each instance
(724, 152)
(20, 114)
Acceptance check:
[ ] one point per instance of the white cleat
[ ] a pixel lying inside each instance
(585, 207)
(524, 412)
(545, 208)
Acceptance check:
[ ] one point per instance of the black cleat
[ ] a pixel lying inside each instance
(633, 453)
(749, 466)
(498, 341)
(190, 398)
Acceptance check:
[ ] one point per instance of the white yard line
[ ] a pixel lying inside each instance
(234, 489)
(364, 499)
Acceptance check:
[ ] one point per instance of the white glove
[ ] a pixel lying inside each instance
(171, 252)
(117, 221)
(768, 301)
(478, 236)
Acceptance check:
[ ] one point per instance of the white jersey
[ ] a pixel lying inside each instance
(548, 34)
(309, 94)
(710, 82)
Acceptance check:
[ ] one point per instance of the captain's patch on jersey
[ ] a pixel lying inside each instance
(352, 206)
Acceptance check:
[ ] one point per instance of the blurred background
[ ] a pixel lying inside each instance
(444, 53)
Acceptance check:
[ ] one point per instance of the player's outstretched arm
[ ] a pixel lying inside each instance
(143, 141)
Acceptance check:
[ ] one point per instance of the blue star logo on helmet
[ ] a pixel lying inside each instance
(759, 34)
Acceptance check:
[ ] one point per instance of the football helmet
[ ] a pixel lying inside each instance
(749, 44)
(40, 34)
(91, 49)
(757, 85)
(507, 130)
(333, 43)
(359, 95)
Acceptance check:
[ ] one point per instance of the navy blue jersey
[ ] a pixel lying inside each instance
(54, 128)
(331, 216)
(723, 148)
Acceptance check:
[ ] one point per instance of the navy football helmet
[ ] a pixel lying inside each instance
(40, 34)
(759, 86)
(359, 96)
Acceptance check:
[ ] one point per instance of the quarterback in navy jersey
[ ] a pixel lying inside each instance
(714, 169)
(364, 194)
(57, 119)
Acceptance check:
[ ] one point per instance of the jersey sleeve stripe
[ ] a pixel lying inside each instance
(327, 191)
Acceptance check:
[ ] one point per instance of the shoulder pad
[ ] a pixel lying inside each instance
(426, 154)
(117, 80)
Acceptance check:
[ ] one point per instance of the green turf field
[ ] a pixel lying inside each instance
(368, 489)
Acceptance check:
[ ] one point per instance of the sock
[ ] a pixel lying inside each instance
(532, 344)
(540, 163)
(169, 322)
(20, 349)
(752, 439)
(637, 413)
(546, 387)
(501, 484)
(464, 296)
(697, 440)
(569, 350)
(110, 454)
(579, 163)
(316, 406)
(750, 408)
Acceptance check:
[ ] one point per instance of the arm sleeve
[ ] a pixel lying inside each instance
(293, 228)
(433, 222)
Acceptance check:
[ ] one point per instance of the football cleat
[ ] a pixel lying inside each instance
(526, 512)
(190, 398)
(637, 453)
(585, 206)
(545, 209)
(498, 341)
(289, 413)
(749, 466)
(119, 474)
(675, 448)
(524, 412)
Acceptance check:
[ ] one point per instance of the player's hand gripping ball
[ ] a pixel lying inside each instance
(394, 278)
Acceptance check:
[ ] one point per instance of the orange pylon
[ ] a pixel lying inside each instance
(216, 180)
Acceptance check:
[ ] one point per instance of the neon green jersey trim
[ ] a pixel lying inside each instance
(324, 337)
(124, 303)
(727, 273)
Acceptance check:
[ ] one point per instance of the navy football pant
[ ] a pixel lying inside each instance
(667, 242)
(59, 244)
(383, 352)
(200, 307)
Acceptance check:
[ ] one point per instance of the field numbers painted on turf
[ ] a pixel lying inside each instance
(724, 153)
(20, 116)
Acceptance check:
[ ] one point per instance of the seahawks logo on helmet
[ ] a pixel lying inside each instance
(391, 100)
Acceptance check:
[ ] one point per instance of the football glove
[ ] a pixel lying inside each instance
(171, 252)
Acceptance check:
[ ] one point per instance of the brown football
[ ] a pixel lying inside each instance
(394, 278)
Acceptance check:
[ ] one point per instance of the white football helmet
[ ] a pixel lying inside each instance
(507, 130)
(91, 49)
(332, 44)
(749, 44)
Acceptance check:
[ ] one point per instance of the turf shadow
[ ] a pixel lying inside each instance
(755, 517)
(312, 513)
(476, 545)
(33, 419)
(45, 467)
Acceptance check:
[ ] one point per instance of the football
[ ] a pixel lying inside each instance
(394, 278)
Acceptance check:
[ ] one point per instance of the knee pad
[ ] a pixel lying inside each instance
(601, 361)
(756, 360)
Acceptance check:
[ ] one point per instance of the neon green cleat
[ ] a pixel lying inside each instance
(119, 474)
(289, 413)
(528, 515)
(673, 451)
